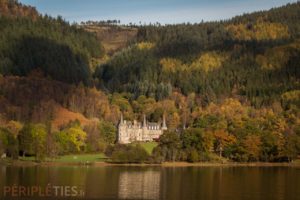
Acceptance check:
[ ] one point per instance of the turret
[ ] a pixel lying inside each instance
(164, 125)
(145, 121)
(144, 135)
(119, 135)
(121, 120)
(122, 136)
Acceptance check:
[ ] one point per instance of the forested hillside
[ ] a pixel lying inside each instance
(31, 42)
(230, 87)
(254, 56)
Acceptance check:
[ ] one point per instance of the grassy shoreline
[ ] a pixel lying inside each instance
(99, 159)
(24, 163)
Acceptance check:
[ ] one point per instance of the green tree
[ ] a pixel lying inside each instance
(291, 147)
(62, 140)
(26, 140)
(129, 154)
(32, 140)
(193, 156)
(3, 141)
(39, 134)
(108, 132)
(198, 139)
(271, 147)
(9, 139)
(169, 146)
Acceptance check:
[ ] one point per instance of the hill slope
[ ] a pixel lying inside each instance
(231, 85)
(113, 38)
(31, 42)
(254, 56)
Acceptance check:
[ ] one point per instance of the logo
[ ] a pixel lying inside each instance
(38, 191)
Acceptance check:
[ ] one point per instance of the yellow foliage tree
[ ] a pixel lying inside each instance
(208, 61)
(233, 109)
(14, 127)
(274, 58)
(145, 45)
(291, 98)
(261, 30)
(77, 137)
(171, 65)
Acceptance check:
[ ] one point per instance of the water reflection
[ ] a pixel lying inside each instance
(176, 183)
(139, 185)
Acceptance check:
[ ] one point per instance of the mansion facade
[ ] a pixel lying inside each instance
(130, 132)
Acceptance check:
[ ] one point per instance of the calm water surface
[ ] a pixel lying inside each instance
(174, 183)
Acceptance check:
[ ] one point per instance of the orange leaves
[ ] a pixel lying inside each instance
(15, 9)
(252, 145)
(224, 138)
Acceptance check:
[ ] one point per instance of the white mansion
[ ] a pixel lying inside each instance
(129, 132)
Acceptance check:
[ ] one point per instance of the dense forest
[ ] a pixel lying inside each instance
(31, 42)
(254, 56)
(229, 89)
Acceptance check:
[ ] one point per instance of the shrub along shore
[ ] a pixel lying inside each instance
(23, 163)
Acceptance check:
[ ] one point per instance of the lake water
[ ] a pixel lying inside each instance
(174, 183)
